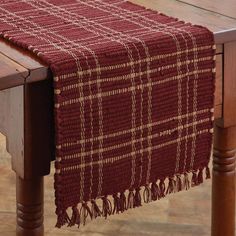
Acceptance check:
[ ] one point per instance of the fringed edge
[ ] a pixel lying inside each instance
(152, 192)
(62, 218)
(95, 210)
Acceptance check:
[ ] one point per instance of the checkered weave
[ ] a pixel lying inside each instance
(134, 95)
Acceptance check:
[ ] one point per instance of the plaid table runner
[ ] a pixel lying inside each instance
(134, 95)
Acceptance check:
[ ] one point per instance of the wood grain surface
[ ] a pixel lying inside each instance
(11, 73)
(37, 69)
(229, 111)
(228, 9)
(215, 21)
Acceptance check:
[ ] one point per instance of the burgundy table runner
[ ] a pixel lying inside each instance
(134, 96)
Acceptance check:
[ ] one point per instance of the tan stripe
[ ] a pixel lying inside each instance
(127, 76)
(187, 118)
(149, 137)
(154, 147)
(128, 64)
(91, 144)
(96, 42)
(179, 103)
(194, 127)
(178, 151)
(100, 117)
(130, 89)
(195, 103)
(123, 132)
(149, 121)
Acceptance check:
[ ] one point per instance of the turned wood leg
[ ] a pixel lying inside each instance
(223, 189)
(29, 200)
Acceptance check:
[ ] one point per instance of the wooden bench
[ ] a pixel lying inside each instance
(26, 115)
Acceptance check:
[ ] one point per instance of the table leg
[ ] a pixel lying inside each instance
(34, 162)
(27, 121)
(223, 190)
(29, 200)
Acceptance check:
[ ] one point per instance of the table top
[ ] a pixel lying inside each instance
(18, 67)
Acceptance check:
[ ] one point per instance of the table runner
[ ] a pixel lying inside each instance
(134, 96)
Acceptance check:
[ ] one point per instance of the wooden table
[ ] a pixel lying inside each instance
(26, 116)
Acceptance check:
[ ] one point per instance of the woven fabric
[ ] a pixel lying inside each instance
(134, 95)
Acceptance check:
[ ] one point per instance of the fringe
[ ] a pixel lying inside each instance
(116, 203)
(171, 186)
(200, 177)
(96, 212)
(85, 212)
(147, 194)
(194, 181)
(75, 219)
(137, 198)
(155, 191)
(106, 207)
(62, 218)
(208, 173)
(179, 183)
(162, 188)
(130, 203)
(186, 182)
(121, 203)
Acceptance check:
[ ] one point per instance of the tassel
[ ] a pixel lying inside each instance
(75, 219)
(186, 181)
(106, 207)
(162, 188)
(123, 206)
(171, 186)
(155, 191)
(194, 179)
(95, 210)
(137, 198)
(179, 183)
(84, 212)
(130, 203)
(62, 219)
(208, 173)
(147, 194)
(200, 176)
(116, 208)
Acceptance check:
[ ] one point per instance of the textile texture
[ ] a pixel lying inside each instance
(134, 96)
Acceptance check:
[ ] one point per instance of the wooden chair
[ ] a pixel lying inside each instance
(26, 116)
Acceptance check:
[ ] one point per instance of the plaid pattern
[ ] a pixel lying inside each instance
(133, 99)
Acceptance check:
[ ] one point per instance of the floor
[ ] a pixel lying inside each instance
(185, 213)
